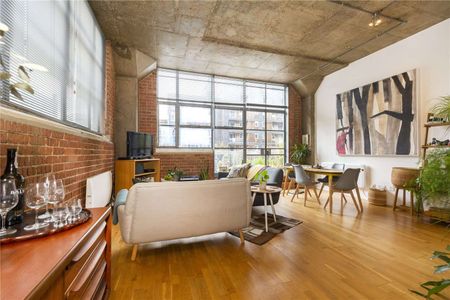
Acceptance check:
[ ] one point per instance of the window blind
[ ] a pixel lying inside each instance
(63, 37)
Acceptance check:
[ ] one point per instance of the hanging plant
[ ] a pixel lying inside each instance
(23, 70)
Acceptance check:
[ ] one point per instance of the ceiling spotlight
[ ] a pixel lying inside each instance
(376, 20)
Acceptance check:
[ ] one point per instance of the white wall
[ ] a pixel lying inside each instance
(428, 51)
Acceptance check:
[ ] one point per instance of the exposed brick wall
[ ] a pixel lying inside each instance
(71, 157)
(295, 118)
(189, 162)
(110, 90)
(147, 112)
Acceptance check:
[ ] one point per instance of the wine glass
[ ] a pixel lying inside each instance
(47, 180)
(57, 196)
(9, 198)
(34, 198)
(75, 209)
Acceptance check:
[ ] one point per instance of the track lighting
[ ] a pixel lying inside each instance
(376, 20)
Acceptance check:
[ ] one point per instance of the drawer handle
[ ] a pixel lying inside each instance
(86, 273)
(89, 244)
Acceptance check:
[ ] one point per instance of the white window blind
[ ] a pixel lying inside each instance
(64, 37)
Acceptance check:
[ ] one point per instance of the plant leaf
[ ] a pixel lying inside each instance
(16, 93)
(418, 293)
(4, 75)
(441, 269)
(23, 74)
(443, 284)
(24, 86)
(1, 61)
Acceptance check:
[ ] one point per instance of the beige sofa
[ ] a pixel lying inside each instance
(160, 211)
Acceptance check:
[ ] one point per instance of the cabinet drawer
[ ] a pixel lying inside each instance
(88, 288)
(85, 254)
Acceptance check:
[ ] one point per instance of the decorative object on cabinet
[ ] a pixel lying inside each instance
(426, 146)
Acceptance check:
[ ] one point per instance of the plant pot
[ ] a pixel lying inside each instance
(404, 177)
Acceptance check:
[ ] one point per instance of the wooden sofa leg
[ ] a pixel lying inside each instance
(134, 252)
(241, 236)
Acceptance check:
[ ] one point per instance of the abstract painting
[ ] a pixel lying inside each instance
(379, 118)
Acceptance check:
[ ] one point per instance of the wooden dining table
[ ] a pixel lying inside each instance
(330, 173)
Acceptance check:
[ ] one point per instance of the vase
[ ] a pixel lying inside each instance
(262, 186)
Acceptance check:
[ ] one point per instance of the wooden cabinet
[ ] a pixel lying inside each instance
(128, 169)
(74, 264)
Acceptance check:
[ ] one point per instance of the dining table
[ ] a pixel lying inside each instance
(330, 173)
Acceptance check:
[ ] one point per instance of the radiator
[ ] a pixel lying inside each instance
(98, 190)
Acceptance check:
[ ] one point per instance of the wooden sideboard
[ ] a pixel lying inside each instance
(74, 264)
(128, 169)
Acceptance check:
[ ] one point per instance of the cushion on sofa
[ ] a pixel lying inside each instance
(239, 171)
(254, 171)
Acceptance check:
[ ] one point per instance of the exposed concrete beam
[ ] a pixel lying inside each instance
(269, 50)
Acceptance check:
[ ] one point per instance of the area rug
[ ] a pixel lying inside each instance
(256, 234)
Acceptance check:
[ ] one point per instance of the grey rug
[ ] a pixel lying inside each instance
(256, 233)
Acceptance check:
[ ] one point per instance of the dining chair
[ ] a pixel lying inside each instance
(304, 181)
(324, 180)
(346, 183)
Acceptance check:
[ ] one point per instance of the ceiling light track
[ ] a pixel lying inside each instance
(372, 13)
(349, 50)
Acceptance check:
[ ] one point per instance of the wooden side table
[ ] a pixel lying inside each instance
(268, 191)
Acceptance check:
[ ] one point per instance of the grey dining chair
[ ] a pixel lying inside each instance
(346, 183)
(304, 181)
(324, 180)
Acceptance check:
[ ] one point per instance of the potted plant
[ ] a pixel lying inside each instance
(300, 153)
(262, 177)
(436, 287)
(442, 108)
(434, 183)
(204, 173)
(174, 175)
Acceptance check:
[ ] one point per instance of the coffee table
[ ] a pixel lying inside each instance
(268, 191)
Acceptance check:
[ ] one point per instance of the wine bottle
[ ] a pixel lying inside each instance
(15, 216)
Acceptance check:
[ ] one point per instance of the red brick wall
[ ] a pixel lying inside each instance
(71, 157)
(295, 118)
(191, 163)
(110, 91)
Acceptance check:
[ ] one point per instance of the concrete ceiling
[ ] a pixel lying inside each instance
(278, 41)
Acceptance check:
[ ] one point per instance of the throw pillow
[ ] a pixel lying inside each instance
(238, 171)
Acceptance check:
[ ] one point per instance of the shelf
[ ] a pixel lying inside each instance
(435, 147)
(144, 174)
(437, 124)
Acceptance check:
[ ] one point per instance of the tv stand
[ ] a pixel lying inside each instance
(128, 169)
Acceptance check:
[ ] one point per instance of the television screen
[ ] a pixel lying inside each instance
(139, 145)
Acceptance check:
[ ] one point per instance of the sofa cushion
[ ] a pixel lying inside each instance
(239, 171)
(254, 171)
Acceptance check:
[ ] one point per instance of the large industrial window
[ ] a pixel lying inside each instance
(241, 120)
(60, 47)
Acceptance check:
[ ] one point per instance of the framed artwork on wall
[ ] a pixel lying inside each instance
(380, 118)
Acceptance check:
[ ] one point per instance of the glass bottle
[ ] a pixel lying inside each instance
(15, 216)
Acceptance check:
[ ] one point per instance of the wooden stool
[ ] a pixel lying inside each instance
(411, 191)
(404, 179)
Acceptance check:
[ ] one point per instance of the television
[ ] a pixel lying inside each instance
(139, 145)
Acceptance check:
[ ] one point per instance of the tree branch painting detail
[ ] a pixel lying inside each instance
(384, 110)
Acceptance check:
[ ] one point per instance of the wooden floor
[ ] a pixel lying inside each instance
(377, 256)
